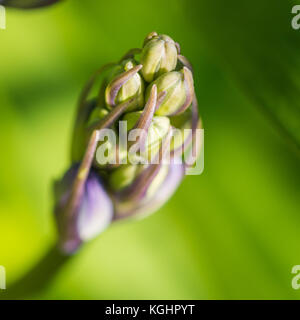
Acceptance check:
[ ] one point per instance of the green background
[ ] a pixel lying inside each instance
(230, 233)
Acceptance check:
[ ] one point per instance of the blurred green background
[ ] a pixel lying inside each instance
(231, 233)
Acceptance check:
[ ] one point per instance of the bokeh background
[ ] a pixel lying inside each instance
(231, 233)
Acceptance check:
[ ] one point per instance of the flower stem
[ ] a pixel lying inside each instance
(39, 277)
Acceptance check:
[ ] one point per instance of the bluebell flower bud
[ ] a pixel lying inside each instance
(159, 55)
(125, 83)
(93, 194)
(93, 214)
(179, 89)
(124, 176)
(182, 125)
(157, 130)
(158, 193)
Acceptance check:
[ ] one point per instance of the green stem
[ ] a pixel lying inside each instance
(39, 277)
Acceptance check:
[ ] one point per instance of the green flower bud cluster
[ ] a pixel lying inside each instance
(130, 82)
(150, 89)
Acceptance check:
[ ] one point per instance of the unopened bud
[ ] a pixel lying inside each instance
(159, 55)
(152, 147)
(125, 83)
(92, 215)
(179, 90)
(157, 130)
(123, 176)
(159, 191)
(182, 125)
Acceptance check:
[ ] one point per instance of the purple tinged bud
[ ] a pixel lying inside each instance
(125, 84)
(165, 184)
(85, 206)
(96, 212)
(170, 184)
(91, 217)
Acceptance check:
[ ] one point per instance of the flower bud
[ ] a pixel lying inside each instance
(93, 214)
(99, 113)
(159, 191)
(27, 4)
(125, 83)
(109, 154)
(182, 125)
(81, 139)
(123, 176)
(157, 130)
(162, 193)
(179, 89)
(152, 169)
(159, 55)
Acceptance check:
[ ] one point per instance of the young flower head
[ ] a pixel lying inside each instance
(154, 96)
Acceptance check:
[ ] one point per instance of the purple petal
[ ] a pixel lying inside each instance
(93, 215)
(96, 211)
